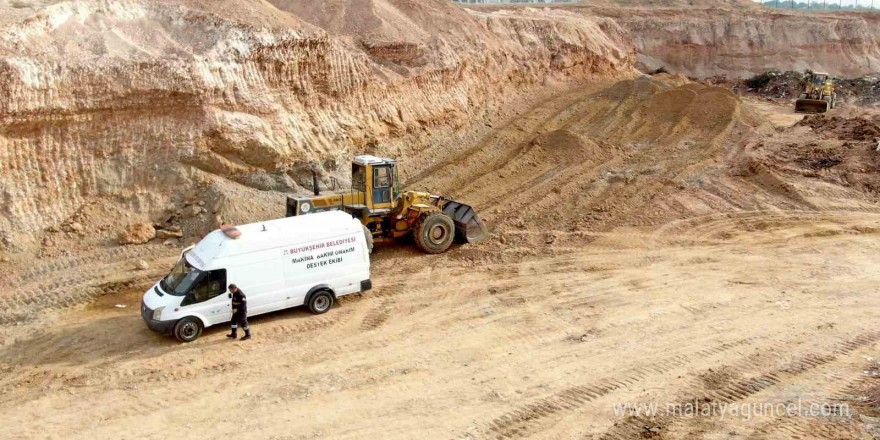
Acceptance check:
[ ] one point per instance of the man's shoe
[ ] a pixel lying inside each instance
(246, 337)
(232, 336)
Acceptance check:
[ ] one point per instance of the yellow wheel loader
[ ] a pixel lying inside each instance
(387, 212)
(818, 96)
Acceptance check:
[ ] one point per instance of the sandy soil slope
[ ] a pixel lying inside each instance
(633, 259)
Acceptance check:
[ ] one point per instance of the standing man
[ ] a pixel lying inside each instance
(239, 313)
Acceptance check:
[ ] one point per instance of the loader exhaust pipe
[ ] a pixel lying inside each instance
(315, 186)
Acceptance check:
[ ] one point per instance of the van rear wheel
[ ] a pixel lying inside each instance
(320, 302)
(188, 329)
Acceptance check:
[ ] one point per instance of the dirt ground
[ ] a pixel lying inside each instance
(724, 252)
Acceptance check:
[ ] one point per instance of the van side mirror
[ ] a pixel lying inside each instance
(230, 296)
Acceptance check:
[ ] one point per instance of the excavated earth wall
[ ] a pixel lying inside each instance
(132, 101)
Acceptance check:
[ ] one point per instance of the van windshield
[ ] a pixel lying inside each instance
(179, 281)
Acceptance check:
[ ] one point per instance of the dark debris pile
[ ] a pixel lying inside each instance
(782, 85)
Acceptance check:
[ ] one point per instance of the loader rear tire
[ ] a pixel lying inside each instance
(434, 232)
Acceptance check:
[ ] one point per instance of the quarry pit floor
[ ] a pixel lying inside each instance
(603, 285)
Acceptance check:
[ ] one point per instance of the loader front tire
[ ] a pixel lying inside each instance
(434, 232)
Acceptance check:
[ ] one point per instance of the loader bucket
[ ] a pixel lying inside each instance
(468, 225)
(810, 106)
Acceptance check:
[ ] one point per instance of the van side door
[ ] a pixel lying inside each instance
(208, 298)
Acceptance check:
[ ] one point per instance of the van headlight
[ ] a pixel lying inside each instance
(157, 314)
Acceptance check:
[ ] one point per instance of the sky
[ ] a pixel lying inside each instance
(862, 3)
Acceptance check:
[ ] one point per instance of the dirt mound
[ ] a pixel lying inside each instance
(675, 80)
(563, 146)
(638, 88)
(642, 153)
(637, 153)
(856, 129)
(648, 111)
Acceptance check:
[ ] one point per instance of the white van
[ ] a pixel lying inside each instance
(305, 260)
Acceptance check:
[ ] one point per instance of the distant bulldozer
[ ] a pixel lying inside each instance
(818, 96)
(387, 212)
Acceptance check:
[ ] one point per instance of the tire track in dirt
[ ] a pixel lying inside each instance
(835, 388)
(66, 282)
(62, 347)
(69, 351)
(66, 292)
(735, 387)
(376, 316)
(87, 263)
(711, 229)
(840, 385)
(516, 423)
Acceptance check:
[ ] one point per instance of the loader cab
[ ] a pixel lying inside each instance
(377, 178)
(819, 78)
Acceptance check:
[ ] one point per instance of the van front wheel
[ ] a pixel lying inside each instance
(188, 329)
(320, 302)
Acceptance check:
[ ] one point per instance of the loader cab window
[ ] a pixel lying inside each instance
(395, 182)
(359, 177)
(382, 182)
(381, 177)
(819, 80)
(209, 285)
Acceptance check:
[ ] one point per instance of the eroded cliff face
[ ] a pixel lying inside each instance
(740, 43)
(135, 101)
(739, 38)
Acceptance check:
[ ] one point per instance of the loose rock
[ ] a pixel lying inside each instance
(166, 233)
(138, 233)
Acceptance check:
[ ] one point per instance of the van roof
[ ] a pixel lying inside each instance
(279, 232)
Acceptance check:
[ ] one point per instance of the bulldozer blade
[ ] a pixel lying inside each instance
(468, 225)
(810, 106)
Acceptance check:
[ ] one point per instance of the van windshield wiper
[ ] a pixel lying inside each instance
(164, 285)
